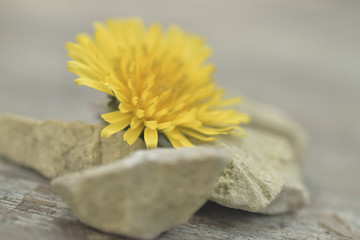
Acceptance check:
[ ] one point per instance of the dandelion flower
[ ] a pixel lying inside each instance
(160, 79)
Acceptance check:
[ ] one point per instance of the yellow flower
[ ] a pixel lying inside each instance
(160, 79)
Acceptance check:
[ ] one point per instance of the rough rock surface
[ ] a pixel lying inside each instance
(263, 176)
(265, 173)
(53, 148)
(145, 193)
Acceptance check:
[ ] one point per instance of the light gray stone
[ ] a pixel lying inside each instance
(265, 172)
(264, 175)
(145, 193)
(53, 148)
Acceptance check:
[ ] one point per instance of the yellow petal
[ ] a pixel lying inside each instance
(151, 137)
(177, 139)
(196, 135)
(186, 117)
(93, 84)
(82, 69)
(151, 124)
(161, 113)
(175, 142)
(140, 113)
(150, 110)
(131, 135)
(165, 126)
(114, 127)
(135, 122)
(125, 108)
(115, 116)
(121, 96)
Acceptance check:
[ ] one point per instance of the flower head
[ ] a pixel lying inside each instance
(160, 80)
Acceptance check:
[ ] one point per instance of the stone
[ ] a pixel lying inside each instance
(146, 193)
(54, 148)
(264, 175)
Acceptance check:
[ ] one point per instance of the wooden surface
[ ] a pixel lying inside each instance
(29, 209)
(303, 56)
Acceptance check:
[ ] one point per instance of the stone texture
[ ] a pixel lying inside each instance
(53, 148)
(265, 172)
(263, 176)
(145, 193)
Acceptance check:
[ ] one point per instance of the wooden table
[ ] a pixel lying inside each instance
(302, 56)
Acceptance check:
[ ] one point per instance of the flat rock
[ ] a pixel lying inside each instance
(265, 172)
(53, 148)
(146, 193)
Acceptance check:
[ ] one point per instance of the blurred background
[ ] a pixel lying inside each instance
(302, 56)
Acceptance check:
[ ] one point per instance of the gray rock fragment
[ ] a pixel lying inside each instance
(53, 148)
(263, 176)
(145, 193)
